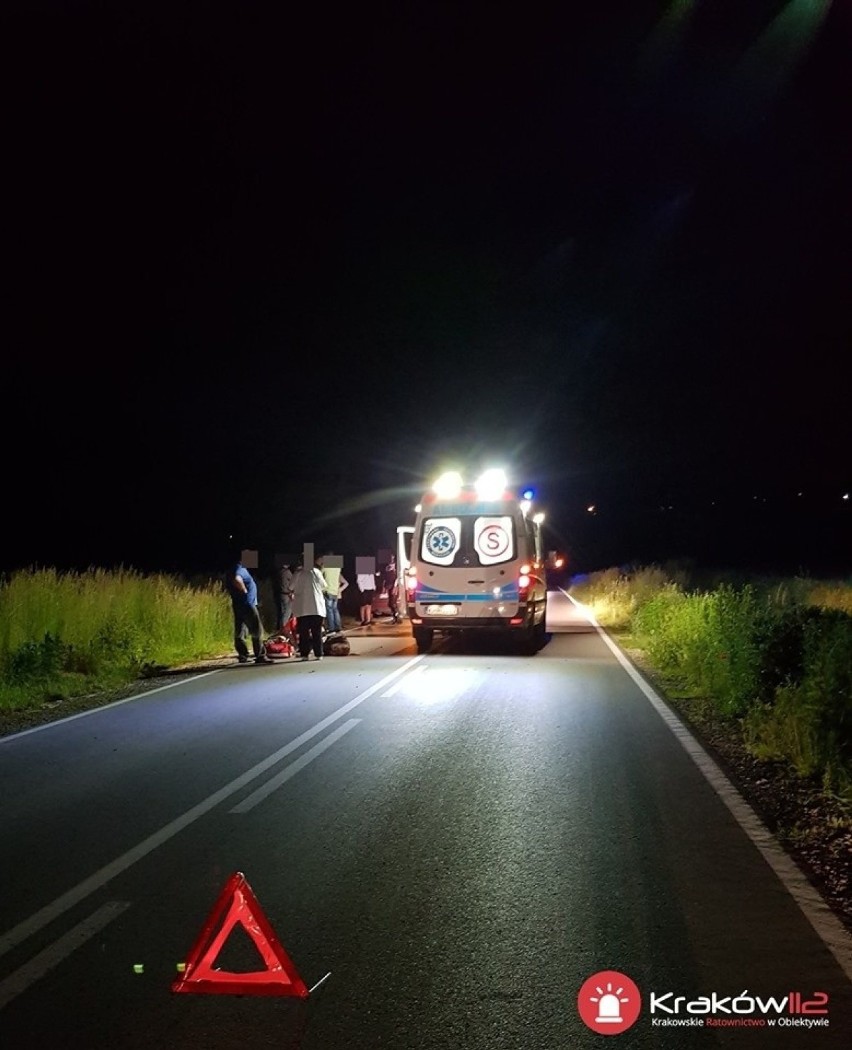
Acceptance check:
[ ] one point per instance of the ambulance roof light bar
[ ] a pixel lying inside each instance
(448, 485)
(492, 484)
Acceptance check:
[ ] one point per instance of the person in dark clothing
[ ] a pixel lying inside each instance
(242, 589)
(389, 583)
(282, 594)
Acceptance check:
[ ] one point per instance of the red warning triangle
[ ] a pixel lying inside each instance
(238, 904)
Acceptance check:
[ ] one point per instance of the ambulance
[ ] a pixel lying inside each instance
(476, 563)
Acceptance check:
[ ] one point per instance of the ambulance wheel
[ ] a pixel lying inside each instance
(423, 639)
(530, 640)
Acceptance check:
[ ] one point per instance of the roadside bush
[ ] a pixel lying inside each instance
(731, 654)
(705, 639)
(615, 594)
(121, 641)
(808, 721)
(658, 624)
(35, 660)
(828, 682)
(786, 729)
(779, 637)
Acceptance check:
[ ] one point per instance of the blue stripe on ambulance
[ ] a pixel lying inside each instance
(508, 593)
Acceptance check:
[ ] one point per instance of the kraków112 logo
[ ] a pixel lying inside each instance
(609, 1002)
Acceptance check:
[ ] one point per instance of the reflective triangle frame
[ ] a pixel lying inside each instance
(238, 904)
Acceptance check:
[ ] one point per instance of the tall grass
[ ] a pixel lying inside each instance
(62, 634)
(614, 596)
(808, 721)
(776, 655)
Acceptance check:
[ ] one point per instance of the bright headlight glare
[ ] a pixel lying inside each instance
(491, 484)
(448, 485)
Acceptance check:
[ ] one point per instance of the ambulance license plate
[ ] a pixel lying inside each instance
(441, 610)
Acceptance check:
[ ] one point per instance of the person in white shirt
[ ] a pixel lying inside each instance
(309, 592)
(367, 586)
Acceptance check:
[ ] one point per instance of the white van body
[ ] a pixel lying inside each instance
(476, 564)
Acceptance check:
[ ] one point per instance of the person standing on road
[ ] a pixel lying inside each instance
(390, 583)
(367, 586)
(333, 595)
(309, 592)
(282, 592)
(242, 589)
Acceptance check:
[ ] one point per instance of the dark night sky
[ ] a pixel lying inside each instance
(266, 269)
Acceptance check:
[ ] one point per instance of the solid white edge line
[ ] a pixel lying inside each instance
(826, 924)
(105, 707)
(50, 957)
(100, 878)
(290, 771)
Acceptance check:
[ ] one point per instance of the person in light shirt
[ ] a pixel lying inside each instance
(309, 592)
(367, 586)
(336, 584)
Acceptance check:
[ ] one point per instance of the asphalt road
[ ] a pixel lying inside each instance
(460, 840)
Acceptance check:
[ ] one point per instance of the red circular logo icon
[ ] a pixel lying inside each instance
(609, 1002)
